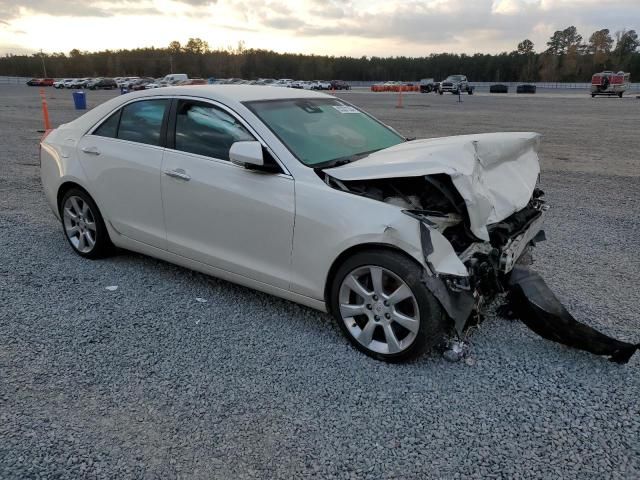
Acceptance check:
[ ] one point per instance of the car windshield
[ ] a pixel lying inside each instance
(454, 78)
(324, 132)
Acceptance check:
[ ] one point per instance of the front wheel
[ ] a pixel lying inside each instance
(83, 225)
(383, 307)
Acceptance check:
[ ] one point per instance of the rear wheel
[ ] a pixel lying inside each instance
(383, 308)
(83, 225)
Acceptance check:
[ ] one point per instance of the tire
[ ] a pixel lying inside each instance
(80, 215)
(366, 318)
(440, 92)
(470, 91)
(620, 94)
(593, 95)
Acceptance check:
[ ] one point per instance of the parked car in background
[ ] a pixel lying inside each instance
(41, 82)
(427, 85)
(499, 88)
(609, 83)
(79, 83)
(322, 85)
(127, 82)
(526, 88)
(283, 82)
(193, 81)
(91, 82)
(402, 241)
(455, 84)
(174, 78)
(339, 85)
(103, 84)
(60, 83)
(141, 83)
(265, 81)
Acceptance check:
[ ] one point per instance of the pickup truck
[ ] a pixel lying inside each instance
(455, 84)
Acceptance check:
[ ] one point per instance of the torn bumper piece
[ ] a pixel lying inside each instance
(531, 300)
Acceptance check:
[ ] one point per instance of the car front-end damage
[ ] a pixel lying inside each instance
(480, 213)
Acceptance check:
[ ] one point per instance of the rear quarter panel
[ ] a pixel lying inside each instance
(59, 164)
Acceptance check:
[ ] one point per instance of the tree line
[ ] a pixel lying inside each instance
(566, 58)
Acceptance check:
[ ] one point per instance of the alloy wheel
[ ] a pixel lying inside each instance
(79, 224)
(379, 309)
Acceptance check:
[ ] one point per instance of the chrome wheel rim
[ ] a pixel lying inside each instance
(79, 224)
(379, 309)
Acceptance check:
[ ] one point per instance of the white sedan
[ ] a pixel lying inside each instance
(304, 196)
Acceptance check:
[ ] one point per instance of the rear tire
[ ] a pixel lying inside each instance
(83, 225)
(394, 318)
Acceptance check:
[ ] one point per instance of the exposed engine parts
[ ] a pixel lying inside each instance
(496, 266)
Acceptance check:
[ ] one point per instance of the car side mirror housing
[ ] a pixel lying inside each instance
(247, 154)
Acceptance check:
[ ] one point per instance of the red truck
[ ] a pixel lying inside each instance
(610, 83)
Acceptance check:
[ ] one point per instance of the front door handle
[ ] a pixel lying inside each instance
(91, 150)
(178, 173)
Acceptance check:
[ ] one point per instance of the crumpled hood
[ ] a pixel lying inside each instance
(495, 173)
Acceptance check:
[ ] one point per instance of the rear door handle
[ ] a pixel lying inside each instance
(178, 173)
(91, 150)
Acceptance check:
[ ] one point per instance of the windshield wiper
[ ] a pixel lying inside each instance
(337, 162)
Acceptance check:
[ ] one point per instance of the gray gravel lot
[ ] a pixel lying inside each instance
(147, 382)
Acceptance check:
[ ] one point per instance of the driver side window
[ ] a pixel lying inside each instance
(204, 129)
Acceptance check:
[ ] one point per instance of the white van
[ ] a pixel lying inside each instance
(174, 78)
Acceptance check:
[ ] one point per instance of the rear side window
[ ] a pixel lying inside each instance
(206, 130)
(142, 121)
(109, 127)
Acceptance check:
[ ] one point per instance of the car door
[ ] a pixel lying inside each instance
(122, 159)
(219, 213)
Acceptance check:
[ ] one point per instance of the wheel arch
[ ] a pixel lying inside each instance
(65, 187)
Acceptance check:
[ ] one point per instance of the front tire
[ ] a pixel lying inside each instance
(83, 225)
(383, 308)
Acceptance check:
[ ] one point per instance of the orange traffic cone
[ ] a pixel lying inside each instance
(45, 110)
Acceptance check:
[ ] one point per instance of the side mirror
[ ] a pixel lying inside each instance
(247, 154)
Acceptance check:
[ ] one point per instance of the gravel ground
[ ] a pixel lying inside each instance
(147, 382)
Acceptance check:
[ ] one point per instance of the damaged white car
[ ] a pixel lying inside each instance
(304, 196)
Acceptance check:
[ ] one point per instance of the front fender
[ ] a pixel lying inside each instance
(330, 222)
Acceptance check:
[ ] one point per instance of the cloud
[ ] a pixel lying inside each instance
(371, 27)
(454, 23)
(80, 8)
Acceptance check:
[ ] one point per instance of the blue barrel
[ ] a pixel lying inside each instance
(80, 100)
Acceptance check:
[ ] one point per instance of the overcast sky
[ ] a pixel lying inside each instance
(337, 27)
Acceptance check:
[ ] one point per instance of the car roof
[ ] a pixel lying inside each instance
(232, 93)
